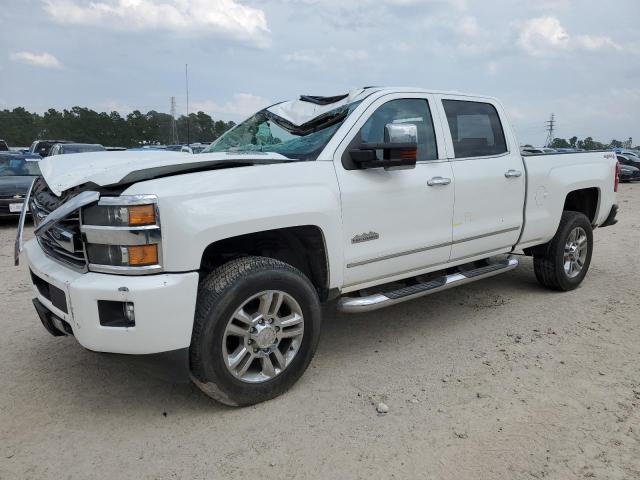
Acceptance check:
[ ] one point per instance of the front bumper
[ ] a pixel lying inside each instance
(164, 305)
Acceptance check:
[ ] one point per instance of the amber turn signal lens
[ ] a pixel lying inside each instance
(409, 154)
(142, 255)
(142, 215)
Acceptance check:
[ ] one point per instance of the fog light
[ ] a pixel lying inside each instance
(116, 314)
(129, 312)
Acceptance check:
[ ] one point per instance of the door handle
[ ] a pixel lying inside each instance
(438, 181)
(512, 173)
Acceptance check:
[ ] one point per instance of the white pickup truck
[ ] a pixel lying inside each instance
(371, 198)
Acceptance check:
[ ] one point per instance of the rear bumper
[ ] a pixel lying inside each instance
(164, 305)
(611, 219)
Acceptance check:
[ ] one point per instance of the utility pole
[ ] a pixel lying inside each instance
(551, 124)
(186, 78)
(174, 128)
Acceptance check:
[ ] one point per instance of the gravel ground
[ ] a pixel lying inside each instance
(497, 379)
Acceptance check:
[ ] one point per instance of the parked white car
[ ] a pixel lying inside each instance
(372, 198)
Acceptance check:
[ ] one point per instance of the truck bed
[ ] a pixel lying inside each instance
(551, 177)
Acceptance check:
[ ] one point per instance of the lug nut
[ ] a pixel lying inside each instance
(256, 350)
(250, 342)
(252, 329)
(262, 322)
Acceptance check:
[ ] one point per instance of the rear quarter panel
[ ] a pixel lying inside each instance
(550, 178)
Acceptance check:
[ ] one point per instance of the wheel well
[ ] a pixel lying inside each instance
(584, 201)
(302, 247)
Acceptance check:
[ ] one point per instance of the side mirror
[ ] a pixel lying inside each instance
(399, 150)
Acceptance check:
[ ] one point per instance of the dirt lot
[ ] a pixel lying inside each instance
(498, 379)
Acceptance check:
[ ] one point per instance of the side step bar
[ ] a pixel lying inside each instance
(381, 300)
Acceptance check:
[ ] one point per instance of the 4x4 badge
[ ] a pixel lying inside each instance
(365, 237)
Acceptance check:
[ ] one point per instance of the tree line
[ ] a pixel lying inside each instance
(590, 144)
(19, 127)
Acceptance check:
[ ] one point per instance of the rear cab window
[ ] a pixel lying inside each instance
(475, 129)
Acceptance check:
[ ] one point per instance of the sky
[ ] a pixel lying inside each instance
(578, 59)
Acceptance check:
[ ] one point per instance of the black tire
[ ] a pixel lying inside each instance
(219, 295)
(549, 263)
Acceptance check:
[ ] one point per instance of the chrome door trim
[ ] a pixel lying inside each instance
(462, 159)
(497, 250)
(477, 237)
(431, 247)
(395, 255)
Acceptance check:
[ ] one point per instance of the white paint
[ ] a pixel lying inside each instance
(409, 216)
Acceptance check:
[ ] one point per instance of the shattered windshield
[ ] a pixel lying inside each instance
(268, 132)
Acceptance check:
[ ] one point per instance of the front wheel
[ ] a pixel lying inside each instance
(256, 329)
(567, 257)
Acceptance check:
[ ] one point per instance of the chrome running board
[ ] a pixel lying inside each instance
(381, 300)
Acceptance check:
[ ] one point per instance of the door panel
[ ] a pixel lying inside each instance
(412, 220)
(488, 208)
(394, 223)
(489, 177)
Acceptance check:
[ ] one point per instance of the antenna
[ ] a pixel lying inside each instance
(174, 128)
(186, 78)
(551, 124)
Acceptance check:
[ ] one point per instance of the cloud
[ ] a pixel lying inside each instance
(239, 107)
(491, 68)
(469, 26)
(44, 59)
(596, 43)
(457, 4)
(304, 56)
(115, 106)
(227, 18)
(326, 57)
(545, 36)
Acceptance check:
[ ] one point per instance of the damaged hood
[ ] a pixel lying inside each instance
(63, 172)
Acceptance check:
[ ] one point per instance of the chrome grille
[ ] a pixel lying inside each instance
(63, 241)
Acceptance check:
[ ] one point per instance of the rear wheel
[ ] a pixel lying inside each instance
(256, 329)
(567, 257)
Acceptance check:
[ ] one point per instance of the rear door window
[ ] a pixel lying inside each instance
(475, 128)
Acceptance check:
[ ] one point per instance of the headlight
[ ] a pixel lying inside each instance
(120, 216)
(122, 235)
(123, 256)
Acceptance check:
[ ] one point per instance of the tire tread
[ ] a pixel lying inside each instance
(546, 266)
(210, 291)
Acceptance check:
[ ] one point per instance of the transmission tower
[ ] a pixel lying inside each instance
(551, 124)
(174, 128)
